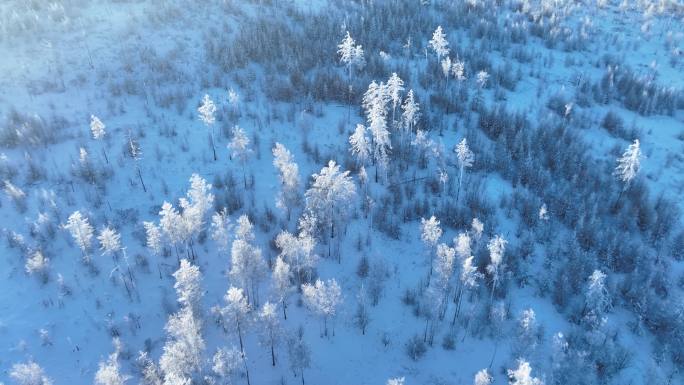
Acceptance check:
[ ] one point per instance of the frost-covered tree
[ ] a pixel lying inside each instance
(465, 158)
(150, 372)
(597, 299)
(206, 113)
(37, 263)
(82, 232)
(329, 197)
(298, 251)
(458, 70)
(270, 327)
(233, 100)
(350, 55)
(196, 204)
(446, 68)
(188, 290)
(110, 241)
(182, 353)
(361, 317)
(288, 173)
(16, 194)
(29, 373)
(375, 103)
(396, 381)
(235, 312)
(220, 229)
(395, 86)
(172, 225)
(483, 378)
(135, 153)
(299, 354)
(97, 128)
(240, 149)
(439, 44)
(523, 375)
(425, 145)
(482, 78)
(247, 265)
(410, 112)
(543, 213)
(528, 333)
(360, 146)
(476, 230)
(109, 372)
(468, 281)
(182, 228)
(629, 163)
(323, 298)
(225, 363)
(496, 247)
(462, 244)
(444, 265)
(430, 232)
(154, 237)
(282, 282)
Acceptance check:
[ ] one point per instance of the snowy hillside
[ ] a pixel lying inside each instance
(341, 192)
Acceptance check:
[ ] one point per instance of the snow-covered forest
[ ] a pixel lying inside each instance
(388, 192)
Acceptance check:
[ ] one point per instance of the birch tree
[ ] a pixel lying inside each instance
(82, 232)
(188, 290)
(483, 378)
(430, 232)
(465, 159)
(329, 197)
(247, 267)
(282, 284)
(235, 312)
(288, 173)
(323, 299)
(110, 241)
(109, 372)
(522, 375)
(360, 145)
(270, 327)
(97, 128)
(395, 86)
(240, 149)
(439, 44)
(29, 373)
(350, 55)
(628, 165)
(206, 113)
(496, 247)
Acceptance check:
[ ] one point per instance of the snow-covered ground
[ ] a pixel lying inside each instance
(142, 67)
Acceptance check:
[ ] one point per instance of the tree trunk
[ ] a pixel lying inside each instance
(244, 361)
(284, 312)
(272, 350)
(141, 179)
(242, 348)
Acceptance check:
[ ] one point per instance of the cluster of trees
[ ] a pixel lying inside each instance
(401, 134)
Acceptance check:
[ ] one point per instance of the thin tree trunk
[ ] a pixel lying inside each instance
(211, 139)
(242, 348)
(244, 361)
(272, 350)
(284, 312)
(141, 179)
